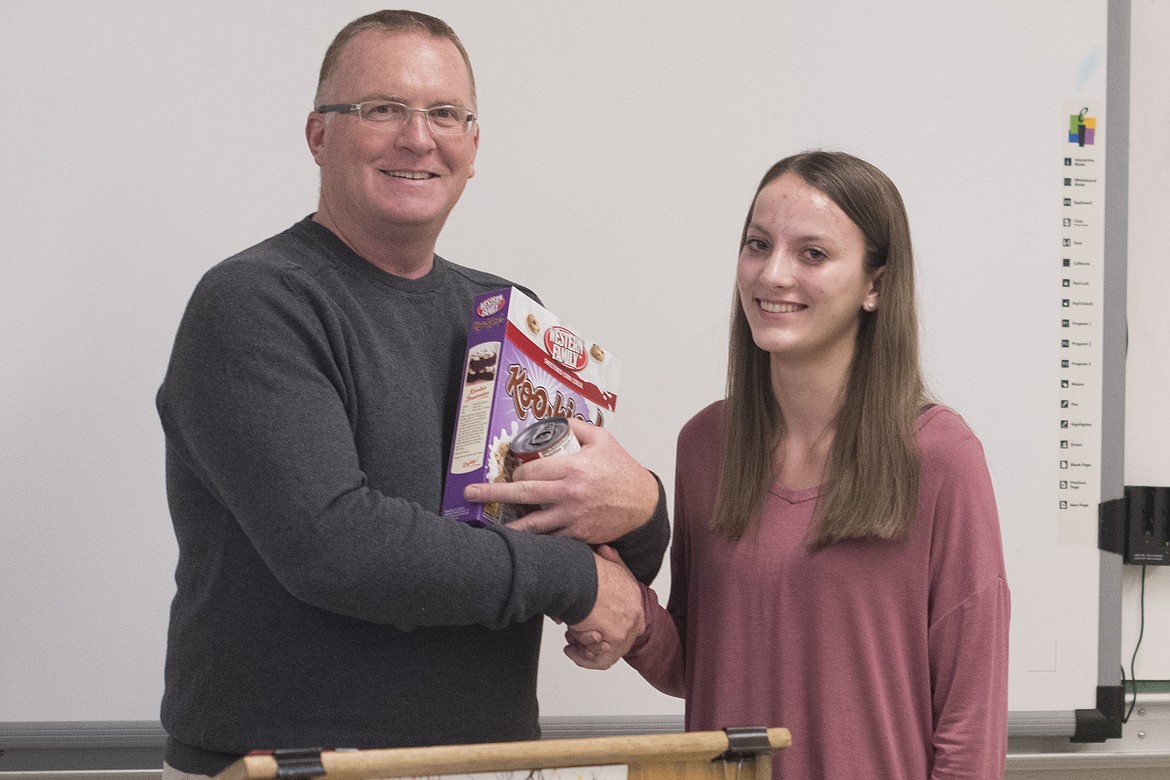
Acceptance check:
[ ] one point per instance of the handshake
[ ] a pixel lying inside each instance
(595, 495)
(617, 620)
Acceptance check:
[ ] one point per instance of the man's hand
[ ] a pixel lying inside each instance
(617, 620)
(595, 495)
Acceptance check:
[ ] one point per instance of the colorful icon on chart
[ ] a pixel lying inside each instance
(1082, 128)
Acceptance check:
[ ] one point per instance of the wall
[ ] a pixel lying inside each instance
(621, 145)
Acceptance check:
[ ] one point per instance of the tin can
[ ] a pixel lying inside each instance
(542, 439)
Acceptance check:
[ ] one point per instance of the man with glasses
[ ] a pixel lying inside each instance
(308, 408)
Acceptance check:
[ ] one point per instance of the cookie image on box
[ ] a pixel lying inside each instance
(481, 362)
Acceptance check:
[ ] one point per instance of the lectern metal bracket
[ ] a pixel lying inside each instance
(745, 742)
(298, 763)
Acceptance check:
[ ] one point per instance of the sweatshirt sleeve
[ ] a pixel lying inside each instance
(642, 549)
(254, 406)
(969, 615)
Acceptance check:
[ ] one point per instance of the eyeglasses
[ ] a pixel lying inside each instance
(392, 115)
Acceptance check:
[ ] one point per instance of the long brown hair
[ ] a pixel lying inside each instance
(871, 484)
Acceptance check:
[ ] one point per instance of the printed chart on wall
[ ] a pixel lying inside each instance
(1081, 296)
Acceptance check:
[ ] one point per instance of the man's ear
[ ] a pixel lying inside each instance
(475, 143)
(315, 134)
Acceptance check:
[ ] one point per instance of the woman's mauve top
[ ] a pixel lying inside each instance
(885, 659)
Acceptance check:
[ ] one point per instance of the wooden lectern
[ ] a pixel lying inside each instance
(732, 754)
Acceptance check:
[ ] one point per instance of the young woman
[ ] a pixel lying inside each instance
(837, 566)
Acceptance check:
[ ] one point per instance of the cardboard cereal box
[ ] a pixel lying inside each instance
(523, 364)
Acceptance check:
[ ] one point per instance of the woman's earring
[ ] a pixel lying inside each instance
(870, 305)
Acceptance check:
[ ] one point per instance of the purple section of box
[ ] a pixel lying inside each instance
(484, 328)
(551, 399)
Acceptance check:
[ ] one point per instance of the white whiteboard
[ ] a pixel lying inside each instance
(1147, 416)
(621, 145)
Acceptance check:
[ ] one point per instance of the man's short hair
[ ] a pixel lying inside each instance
(389, 21)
